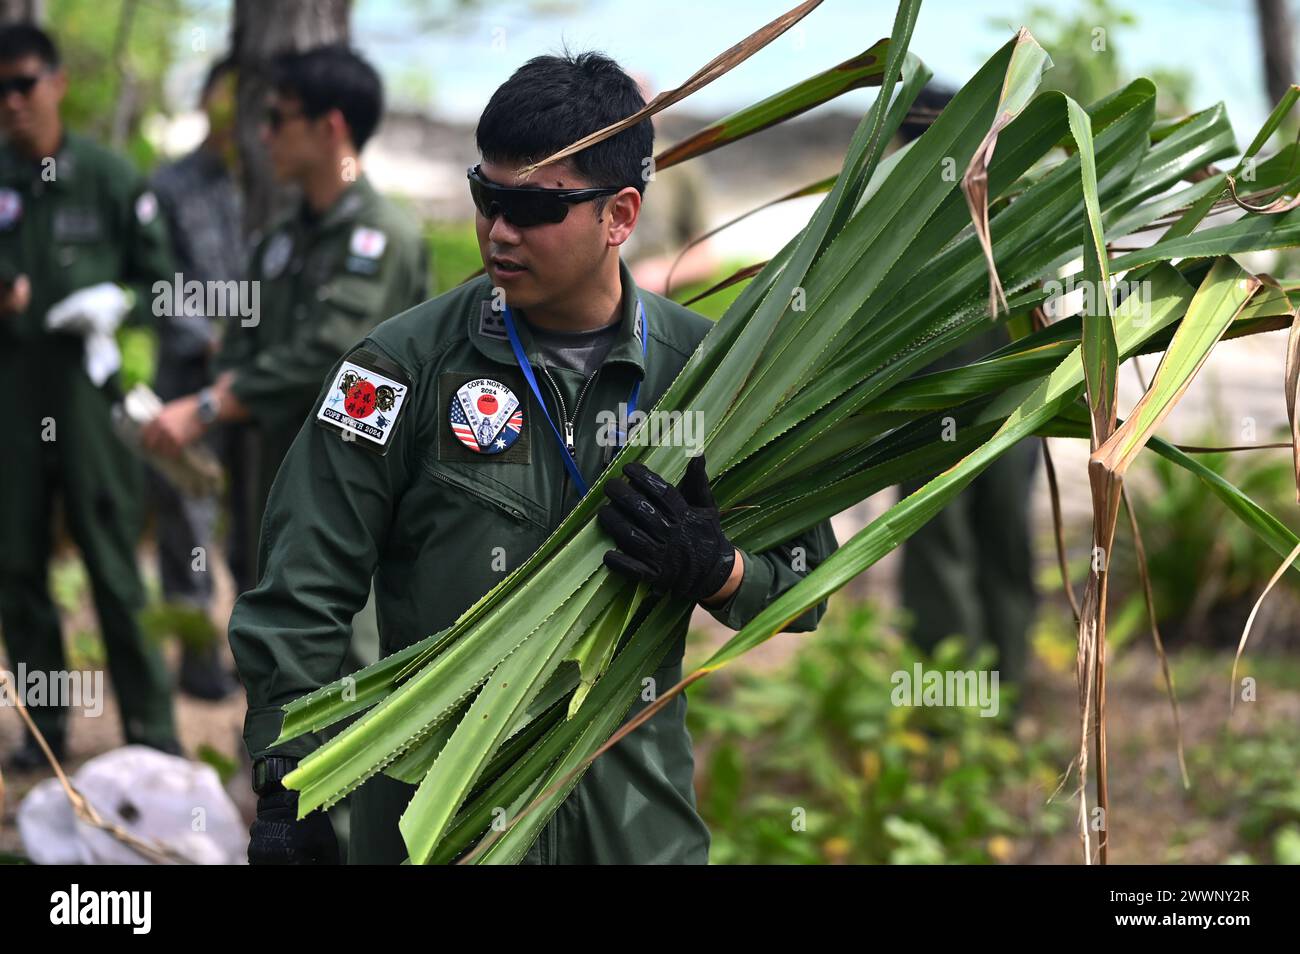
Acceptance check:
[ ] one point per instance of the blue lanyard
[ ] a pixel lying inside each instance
(526, 367)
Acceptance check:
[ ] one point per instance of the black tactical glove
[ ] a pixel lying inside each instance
(670, 537)
(280, 837)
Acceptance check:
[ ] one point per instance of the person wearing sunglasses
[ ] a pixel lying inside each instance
(326, 273)
(447, 445)
(77, 225)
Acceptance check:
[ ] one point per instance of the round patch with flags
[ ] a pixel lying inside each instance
(486, 416)
(276, 255)
(146, 208)
(11, 208)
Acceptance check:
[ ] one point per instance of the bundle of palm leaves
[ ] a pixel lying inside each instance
(809, 392)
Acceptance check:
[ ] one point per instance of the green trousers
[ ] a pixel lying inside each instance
(65, 452)
(969, 571)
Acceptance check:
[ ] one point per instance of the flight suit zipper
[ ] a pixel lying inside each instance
(568, 422)
(565, 419)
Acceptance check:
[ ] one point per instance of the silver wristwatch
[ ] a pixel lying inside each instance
(209, 406)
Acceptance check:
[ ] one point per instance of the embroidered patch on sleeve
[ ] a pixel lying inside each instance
(146, 208)
(367, 242)
(365, 401)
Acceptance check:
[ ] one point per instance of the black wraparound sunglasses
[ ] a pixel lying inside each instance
(22, 85)
(524, 206)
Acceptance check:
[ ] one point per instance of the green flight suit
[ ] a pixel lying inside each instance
(325, 281)
(432, 519)
(81, 220)
(970, 570)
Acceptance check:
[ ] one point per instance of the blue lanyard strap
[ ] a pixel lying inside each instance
(526, 367)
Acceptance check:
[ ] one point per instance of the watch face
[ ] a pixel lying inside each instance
(207, 407)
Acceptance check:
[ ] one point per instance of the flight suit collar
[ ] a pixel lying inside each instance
(16, 170)
(359, 196)
(487, 329)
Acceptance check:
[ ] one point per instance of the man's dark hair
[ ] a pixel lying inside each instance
(332, 77)
(553, 101)
(216, 73)
(23, 39)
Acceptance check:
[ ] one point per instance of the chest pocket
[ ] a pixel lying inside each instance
(77, 225)
(80, 249)
(481, 485)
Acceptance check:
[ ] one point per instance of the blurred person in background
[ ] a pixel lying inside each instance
(331, 270)
(76, 223)
(970, 570)
(327, 273)
(200, 201)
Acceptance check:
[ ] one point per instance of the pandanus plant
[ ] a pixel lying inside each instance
(812, 397)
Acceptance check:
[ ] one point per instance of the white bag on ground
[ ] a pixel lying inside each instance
(159, 798)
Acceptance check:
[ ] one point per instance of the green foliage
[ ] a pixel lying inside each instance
(226, 767)
(1256, 779)
(1085, 48)
(1199, 567)
(716, 305)
(87, 32)
(820, 739)
(139, 347)
(189, 624)
(453, 254)
(68, 585)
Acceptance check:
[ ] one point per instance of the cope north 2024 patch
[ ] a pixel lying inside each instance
(483, 417)
(365, 400)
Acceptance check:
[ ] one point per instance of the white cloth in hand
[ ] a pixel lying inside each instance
(94, 313)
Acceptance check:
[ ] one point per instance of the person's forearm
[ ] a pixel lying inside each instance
(230, 410)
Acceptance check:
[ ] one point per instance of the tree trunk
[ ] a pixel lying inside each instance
(125, 105)
(1275, 33)
(22, 11)
(260, 31)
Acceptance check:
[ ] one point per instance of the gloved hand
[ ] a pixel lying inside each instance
(670, 537)
(279, 837)
(94, 313)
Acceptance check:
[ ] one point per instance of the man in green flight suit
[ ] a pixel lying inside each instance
(326, 275)
(433, 462)
(75, 220)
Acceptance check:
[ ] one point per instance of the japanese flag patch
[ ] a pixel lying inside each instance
(363, 402)
(367, 242)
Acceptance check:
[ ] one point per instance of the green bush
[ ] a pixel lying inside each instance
(818, 743)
